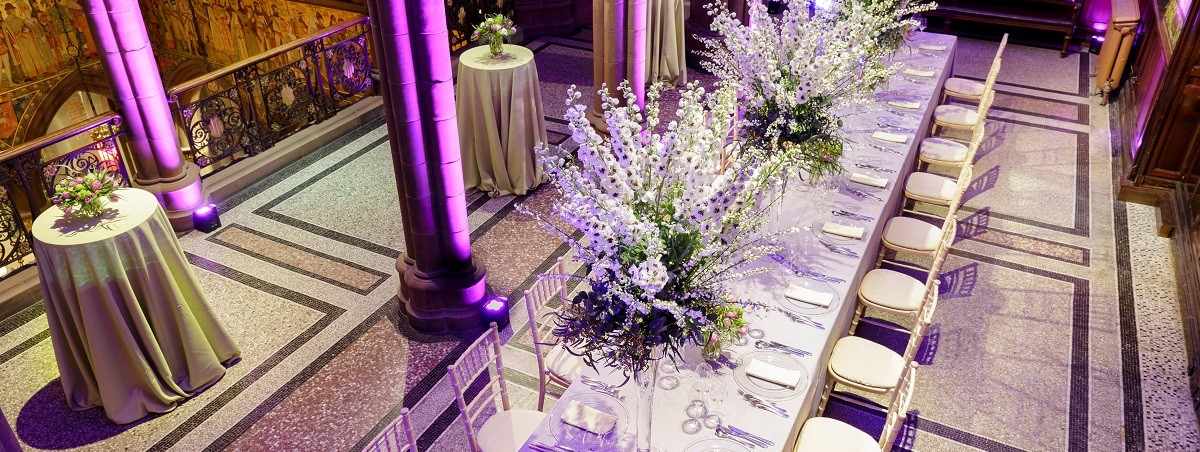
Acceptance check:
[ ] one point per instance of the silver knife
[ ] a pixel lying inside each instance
(766, 442)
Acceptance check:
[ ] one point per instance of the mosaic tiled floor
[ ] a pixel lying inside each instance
(1061, 333)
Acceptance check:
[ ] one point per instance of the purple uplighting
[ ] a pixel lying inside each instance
(206, 218)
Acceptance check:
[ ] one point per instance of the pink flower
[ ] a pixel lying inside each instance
(742, 331)
(114, 198)
(67, 210)
(78, 180)
(731, 314)
(96, 185)
(496, 28)
(713, 338)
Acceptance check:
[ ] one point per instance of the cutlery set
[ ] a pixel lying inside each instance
(839, 249)
(602, 387)
(852, 215)
(763, 404)
(862, 194)
(804, 273)
(539, 447)
(742, 437)
(802, 319)
(885, 149)
(772, 345)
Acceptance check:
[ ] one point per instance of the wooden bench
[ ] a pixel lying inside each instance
(1053, 15)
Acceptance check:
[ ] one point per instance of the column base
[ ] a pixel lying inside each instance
(445, 302)
(180, 197)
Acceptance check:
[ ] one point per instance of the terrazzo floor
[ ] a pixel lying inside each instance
(1060, 331)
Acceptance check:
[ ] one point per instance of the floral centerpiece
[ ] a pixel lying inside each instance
(898, 21)
(665, 219)
(795, 69)
(494, 30)
(84, 196)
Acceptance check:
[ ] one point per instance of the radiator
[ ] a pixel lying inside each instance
(1114, 53)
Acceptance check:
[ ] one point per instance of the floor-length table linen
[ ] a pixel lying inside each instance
(132, 330)
(799, 208)
(500, 120)
(666, 54)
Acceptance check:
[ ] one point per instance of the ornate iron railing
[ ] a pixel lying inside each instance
(28, 175)
(244, 109)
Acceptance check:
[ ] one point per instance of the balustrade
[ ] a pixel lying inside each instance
(29, 171)
(244, 109)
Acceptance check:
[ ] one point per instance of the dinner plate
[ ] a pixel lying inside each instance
(577, 438)
(766, 389)
(820, 222)
(716, 445)
(801, 307)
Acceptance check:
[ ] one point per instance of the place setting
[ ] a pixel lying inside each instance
(587, 421)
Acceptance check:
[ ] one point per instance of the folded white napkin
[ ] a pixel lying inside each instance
(908, 104)
(813, 297)
(887, 136)
(934, 47)
(588, 418)
(774, 374)
(869, 180)
(918, 72)
(854, 232)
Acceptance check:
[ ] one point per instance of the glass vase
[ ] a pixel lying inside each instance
(645, 380)
(496, 47)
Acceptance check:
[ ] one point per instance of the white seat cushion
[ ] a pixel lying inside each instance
(867, 363)
(912, 233)
(964, 87)
(507, 431)
(956, 114)
(931, 186)
(563, 364)
(831, 435)
(892, 289)
(943, 149)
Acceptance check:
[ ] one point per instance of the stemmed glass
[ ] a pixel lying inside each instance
(670, 379)
(922, 22)
(716, 397)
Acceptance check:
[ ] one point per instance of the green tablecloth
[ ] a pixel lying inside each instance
(500, 120)
(131, 329)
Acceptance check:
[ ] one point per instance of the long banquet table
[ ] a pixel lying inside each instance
(800, 208)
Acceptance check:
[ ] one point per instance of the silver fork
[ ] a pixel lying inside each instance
(873, 167)
(862, 194)
(748, 435)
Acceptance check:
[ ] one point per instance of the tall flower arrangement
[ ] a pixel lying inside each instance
(896, 19)
(666, 218)
(493, 31)
(794, 70)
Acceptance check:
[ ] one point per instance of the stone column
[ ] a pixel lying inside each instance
(442, 285)
(158, 165)
(619, 51)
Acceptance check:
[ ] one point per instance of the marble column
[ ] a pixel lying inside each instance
(157, 164)
(699, 25)
(619, 51)
(442, 285)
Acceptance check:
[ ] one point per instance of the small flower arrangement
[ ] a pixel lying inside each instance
(493, 31)
(84, 196)
(728, 327)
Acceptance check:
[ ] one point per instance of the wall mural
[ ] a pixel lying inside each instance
(39, 37)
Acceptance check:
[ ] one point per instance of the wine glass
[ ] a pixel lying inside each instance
(669, 380)
(922, 22)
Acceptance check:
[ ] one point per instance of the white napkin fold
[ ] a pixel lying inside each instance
(869, 180)
(854, 232)
(907, 104)
(774, 374)
(934, 47)
(918, 72)
(813, 297)
(588, 418)
(888, 136)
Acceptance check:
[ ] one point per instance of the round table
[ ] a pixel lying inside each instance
(666, 55)
(500, 120)
(131, 329)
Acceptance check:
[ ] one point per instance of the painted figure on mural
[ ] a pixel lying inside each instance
(20, 33)
(51, 31)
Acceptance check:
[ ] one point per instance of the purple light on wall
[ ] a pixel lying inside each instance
(1099, 26)
(496, 304)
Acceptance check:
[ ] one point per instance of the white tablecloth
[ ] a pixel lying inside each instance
(799, 210)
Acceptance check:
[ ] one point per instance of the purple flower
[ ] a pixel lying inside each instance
(78, 180)
(87, 199)
(96, 185)
(113, 197)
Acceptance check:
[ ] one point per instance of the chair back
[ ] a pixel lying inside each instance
(993, 73)
(396, 437)
(1003, 44)
(548, 287)
(898, 407)
(482, 356)
(985, 104)
(977, 136)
